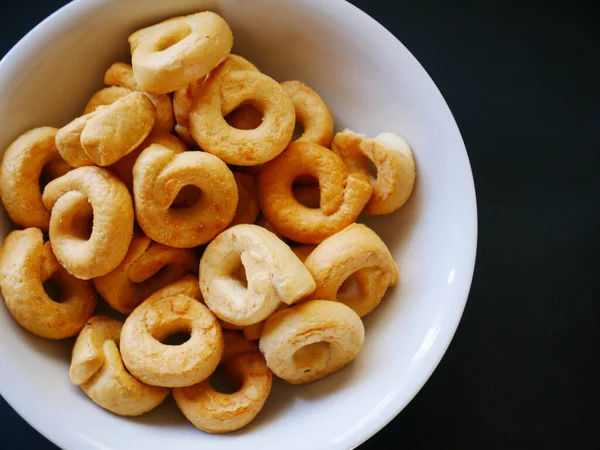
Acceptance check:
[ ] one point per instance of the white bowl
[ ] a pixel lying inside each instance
(372, 84)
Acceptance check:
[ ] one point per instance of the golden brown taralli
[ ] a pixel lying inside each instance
(159, 174)
(214, 412)
(26, 263)
(273, 273)
(223, 92)
(97, 367)
(174, 53)
(76, 197)
(108, 133)
(393, 159)
(158, 364)
(355, 267)
(342, 195)
(311, 340)
(184, 97)
(117, 129)
(22, 165)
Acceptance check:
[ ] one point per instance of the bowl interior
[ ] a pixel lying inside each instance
(372, 84)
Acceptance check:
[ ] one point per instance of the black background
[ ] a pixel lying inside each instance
(522, 80)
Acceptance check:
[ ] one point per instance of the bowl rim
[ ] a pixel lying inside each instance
(394, 406)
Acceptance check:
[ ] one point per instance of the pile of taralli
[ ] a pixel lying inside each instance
(187, 160)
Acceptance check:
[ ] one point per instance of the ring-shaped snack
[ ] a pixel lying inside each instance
(311, 340)
(273, 273)
(121, 74)
(223, 92)
(342, 195)
(393, 160)
(215, 412)
(26, 263)
(159, 174)
(108, 133)
(77, 196)
(176, 52)
(22, 165)
(355, 267)
(183, 98)
(158, 364)
(97, 367)
(147, 267)
(311, 112)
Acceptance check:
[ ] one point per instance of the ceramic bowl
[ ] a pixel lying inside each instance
(372, 84)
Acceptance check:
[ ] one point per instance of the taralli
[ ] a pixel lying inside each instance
(247, 207)
(77, 196)
(158, 364)
(311, 112)
(123, 168)
(147, 267)
(224, 91)
(214, 412)
(117, 129)
(26, 263)
(179, 51)
(185, 199)
(159, 175)
(311, 340)
(393, 160)
(96, 367)
(273, 273)
(106, 96)
(20, 171)
(184, 97)
(121, 74)
(107, 134)
(342, 195)
(358, 253)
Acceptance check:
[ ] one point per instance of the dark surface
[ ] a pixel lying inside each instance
(522, 82)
